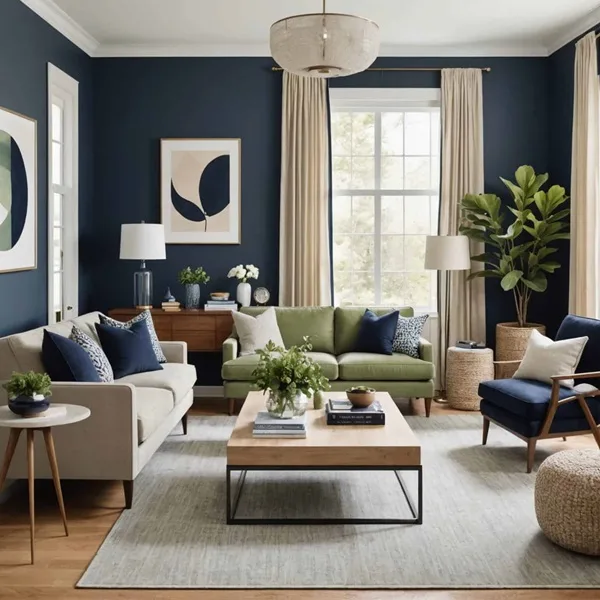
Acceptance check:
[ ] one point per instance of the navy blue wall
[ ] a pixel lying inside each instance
(138, 101)
(27, 44)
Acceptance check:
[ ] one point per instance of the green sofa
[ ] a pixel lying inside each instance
(332, 332)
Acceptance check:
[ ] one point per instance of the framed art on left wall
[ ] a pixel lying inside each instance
(18, 195)
(201, 191)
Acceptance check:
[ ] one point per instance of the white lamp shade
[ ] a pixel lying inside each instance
(142, 241)
(447, 253)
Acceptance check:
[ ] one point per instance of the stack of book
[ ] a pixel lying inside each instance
(220, 305)
(341, 412)
(171, 306)
(265, 426)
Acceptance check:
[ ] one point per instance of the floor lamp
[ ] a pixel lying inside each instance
(445, 253)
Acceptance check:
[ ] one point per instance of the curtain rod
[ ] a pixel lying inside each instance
(485, 69)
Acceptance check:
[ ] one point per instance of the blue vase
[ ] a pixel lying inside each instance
(192, 296)
(26, 406)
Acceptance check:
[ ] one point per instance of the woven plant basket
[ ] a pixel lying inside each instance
(511, 340)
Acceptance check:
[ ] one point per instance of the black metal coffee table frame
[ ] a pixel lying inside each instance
(415, 509)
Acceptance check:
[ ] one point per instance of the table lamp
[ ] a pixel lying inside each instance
(142, 241)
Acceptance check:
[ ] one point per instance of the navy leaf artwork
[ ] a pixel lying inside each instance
(13, 192)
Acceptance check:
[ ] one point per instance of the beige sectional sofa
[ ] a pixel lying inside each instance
(129, 420)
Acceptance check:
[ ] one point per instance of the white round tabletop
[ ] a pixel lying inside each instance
(57, 414)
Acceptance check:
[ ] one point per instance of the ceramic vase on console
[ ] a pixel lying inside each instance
(281, 407)
(244, 293)
(192, 296)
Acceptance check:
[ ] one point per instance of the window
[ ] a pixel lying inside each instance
(63, 240)
(386, 165)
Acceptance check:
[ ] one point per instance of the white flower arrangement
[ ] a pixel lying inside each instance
(243, 273)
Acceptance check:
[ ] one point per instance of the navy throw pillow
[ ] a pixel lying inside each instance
(128, 350)
(65, 360)
(376, 334)
(574, 326)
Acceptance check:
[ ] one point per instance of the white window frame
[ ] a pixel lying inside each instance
(64, 90)
(385, 100)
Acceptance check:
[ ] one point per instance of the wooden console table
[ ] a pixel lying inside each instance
(204, 331)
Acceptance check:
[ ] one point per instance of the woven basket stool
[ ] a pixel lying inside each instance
(465, 370)
(567, 500)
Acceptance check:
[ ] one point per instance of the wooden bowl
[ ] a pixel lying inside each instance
(361, 399)
(219, 295)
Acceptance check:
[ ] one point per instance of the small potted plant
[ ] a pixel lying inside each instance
(28, 393)
(289, 377)
(192, 278)
(244, 290)
(361, 396)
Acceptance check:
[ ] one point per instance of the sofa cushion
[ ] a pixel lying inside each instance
(178, 378)
(572, 327)
(364, 366)
(240, 369)
(529, 399)
(255, 332)
(376, 334)
(66, 360)
(316, 322)
(152, 405)
(347, 322)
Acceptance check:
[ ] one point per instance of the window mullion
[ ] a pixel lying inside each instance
(377, 208)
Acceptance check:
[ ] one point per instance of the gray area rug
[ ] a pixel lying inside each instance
(479, 526)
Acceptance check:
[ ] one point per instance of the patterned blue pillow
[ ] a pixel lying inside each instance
(408, 333)
(95, 352)
(143, 316)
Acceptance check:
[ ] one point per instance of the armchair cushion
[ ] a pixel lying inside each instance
(574, 326)
(529, 400)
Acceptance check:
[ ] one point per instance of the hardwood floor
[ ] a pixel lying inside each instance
(93, 507)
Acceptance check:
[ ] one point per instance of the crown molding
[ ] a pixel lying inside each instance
(261, 50)
(64, 24)
(562, 38)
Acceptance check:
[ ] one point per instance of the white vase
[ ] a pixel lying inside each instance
(244, 293)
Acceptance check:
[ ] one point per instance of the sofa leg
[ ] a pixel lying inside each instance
(184, 422)
(564, 439)
(486, 429)
(530, 453)
(231, 406)
(128, 489)
(428, 406)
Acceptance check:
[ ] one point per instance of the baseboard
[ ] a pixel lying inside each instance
(208, 391)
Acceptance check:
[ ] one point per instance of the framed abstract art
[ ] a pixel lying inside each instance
(200, 191)
(18, 192)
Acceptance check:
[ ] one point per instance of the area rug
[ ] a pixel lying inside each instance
(479, 528)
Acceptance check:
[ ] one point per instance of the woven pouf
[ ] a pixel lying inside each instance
(465, 370)
(567, 500)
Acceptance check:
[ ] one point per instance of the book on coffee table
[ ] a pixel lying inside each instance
(341, 412)
(267, 426)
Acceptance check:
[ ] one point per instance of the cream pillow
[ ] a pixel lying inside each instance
(545, 358)
(255, 332)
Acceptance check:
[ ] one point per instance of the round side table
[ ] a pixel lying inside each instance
(465, 370)
(44, 423)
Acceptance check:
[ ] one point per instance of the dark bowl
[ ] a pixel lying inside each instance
(27, 407)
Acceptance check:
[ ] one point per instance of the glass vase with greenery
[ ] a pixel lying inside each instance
(28, 385)
(192, 279)
(289, 377)
(518, 250)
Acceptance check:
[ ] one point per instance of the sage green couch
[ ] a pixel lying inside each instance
(333, 332)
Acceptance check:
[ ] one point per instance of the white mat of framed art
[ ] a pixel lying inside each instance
(201, 191)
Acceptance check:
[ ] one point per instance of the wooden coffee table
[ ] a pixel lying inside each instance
(393, 447)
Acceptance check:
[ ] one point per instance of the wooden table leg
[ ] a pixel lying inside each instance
(13, 438)
(31, 480)
(55, 476)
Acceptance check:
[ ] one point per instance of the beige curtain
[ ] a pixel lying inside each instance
(584, 280)
(304, 263)
(462, 303)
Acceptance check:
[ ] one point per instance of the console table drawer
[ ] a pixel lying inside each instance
(199, 323)
(200, 341)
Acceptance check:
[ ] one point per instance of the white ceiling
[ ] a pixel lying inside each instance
(241, 27)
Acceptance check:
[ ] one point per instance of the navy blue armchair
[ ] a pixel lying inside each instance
(533, 410)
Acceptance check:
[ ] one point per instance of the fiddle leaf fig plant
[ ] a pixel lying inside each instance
(518, 250)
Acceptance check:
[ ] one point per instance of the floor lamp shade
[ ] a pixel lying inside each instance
(142, 241)
(447, 253)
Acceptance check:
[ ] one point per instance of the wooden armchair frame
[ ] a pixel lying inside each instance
(555, 403)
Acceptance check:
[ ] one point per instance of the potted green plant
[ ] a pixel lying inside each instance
(28, 393)
(518, 250)
(192, 279)
(289, 377)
